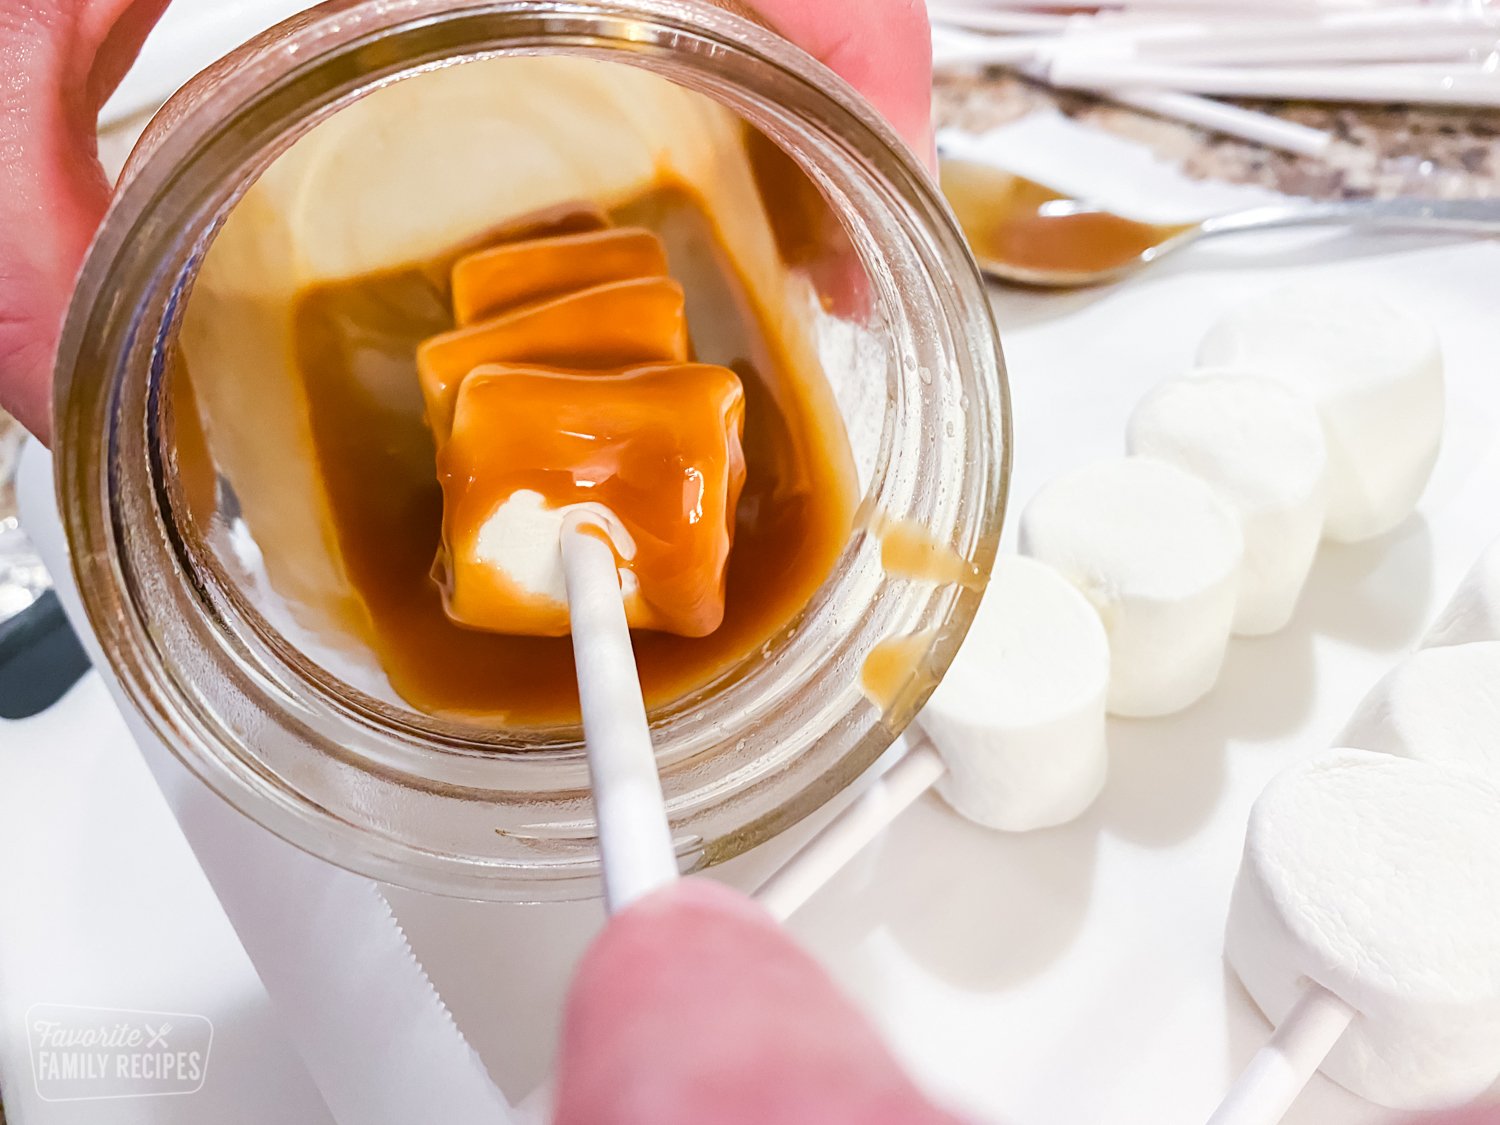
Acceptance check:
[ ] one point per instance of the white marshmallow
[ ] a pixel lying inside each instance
(1473, 613)
(1259, 445)
(1378, 878)
(1376, 375)
(522, 539)
(1440, 705)
(1158, 555)
(1019, 718)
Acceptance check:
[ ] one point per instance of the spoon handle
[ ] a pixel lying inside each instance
(1467, 216)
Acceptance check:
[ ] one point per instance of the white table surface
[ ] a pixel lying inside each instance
(1075, 975)
(1063, 977)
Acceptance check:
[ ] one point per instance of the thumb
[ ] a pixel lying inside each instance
(694, 1006)
(60, 60)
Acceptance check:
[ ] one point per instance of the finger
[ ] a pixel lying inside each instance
(60, 61)
(694, 1006)
(883, 48)
(119, 28)
(52, 193)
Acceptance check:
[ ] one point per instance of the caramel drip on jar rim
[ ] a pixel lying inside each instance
(908, 550)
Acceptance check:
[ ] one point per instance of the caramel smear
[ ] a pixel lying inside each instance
(908, 550)
(1013, 221)
(551, 406)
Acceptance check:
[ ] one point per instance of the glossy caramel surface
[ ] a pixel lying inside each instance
(616, 325)
(652, 451)
(658, 447)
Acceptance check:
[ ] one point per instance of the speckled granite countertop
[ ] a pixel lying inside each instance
(1385, 150)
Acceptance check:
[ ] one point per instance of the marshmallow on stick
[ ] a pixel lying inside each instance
(1376, 375)
(1019, 718)
(1015, 733)
(1259, 445)
(579, 500)
(1158, 554)
(563, 397)
(653, 454)
(1473, 613)
(1439, 705)
(1368, 897)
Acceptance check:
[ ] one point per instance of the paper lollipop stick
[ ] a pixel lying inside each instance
(635, 840)
(1276, 1075)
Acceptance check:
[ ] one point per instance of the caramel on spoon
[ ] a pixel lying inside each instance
(1027, 234)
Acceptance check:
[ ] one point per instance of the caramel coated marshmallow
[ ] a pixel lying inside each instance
(566, 388)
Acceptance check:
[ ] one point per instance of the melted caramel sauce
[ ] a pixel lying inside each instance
(1016, 222)
(804, 226)
(808, 233)
(357, 342)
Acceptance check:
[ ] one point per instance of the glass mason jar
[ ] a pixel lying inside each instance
(463, 809)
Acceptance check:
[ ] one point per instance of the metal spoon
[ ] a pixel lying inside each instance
(1137, 245)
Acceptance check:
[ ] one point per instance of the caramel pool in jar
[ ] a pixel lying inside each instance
(376, 458)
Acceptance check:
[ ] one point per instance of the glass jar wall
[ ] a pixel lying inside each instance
(204, 565)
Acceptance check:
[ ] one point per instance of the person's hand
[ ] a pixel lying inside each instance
(694, 1007)
(61, 59)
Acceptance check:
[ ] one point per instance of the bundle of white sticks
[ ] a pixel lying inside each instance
(1166, 55)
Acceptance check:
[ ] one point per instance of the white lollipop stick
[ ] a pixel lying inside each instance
(847, 834)
(635, 840)
(1278, 1072)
